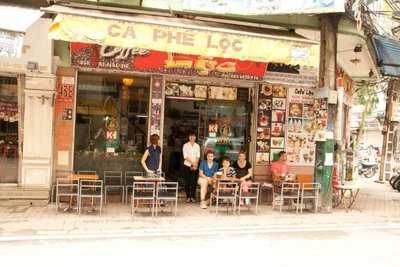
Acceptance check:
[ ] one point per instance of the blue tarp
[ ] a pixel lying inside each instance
(388, 53)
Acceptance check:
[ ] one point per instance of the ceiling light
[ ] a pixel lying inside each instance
(128, 81)
(370, 73)
(358, 48)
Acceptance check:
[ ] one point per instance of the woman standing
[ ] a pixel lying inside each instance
(151, 160)
(244, 171)
(191, 154)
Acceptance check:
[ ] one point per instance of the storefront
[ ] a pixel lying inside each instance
(114, 113)
(248, 106)
(217, 82)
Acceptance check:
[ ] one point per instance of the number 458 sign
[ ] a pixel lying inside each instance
(66, 90)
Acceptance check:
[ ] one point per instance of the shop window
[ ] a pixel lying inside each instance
(8, 130)
(111, 121)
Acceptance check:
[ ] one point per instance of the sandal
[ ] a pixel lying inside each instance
(188, 200)
(193, 200)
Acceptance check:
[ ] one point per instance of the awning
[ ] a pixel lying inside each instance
(185, 36)
(388, 53)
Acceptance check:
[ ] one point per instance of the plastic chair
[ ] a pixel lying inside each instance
(225, 191)
(143, 191)
(168, 191)
(66, 187)
(90, 189)
(129, 179)
(310, 191)
(290, 191)
(113, 179)
(253, 193)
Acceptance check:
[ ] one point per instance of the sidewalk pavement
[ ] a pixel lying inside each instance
(377, 204)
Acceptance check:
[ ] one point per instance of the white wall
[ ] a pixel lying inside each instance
(36, 48)
(38, 89)
(373, 137)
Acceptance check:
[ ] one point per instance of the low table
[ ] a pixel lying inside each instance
(84, 176)
(353, 190)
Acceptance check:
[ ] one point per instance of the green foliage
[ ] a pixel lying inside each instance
(367, 96)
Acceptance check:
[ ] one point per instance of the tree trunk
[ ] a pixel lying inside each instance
(363, 117)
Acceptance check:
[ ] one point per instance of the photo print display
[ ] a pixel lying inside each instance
(301, 125)
(263, 141)
(272, 121)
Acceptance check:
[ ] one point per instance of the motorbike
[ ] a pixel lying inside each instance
(368, 169)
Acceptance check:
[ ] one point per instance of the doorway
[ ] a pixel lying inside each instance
(220, 126)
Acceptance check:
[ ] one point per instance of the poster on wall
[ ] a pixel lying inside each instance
(264, 124)
(9, 111)
(302, 125)
(63, 125)
(271, 124)
(278, 125)
(156, 105)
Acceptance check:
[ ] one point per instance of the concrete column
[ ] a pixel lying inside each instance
(38, 131)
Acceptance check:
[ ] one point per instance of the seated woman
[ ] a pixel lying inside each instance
(244, 171)
(207, 174)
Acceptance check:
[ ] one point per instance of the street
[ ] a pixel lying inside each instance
(336, 246)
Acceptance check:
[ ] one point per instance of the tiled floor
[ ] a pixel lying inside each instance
(376, 204)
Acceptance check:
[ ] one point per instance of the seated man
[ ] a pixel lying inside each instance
(279, 170)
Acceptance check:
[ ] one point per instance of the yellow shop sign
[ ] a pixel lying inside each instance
(183, 39)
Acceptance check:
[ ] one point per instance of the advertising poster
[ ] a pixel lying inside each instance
(264, 124)
(63, 125)
(156, 105)
(271, 122)
(302, 125)
(278, 125)
(151, 61)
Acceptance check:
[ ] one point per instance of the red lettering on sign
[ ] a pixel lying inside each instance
(65, 92)
(110, 135)
(211, 128)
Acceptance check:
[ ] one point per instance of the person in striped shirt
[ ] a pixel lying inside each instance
(228, 172)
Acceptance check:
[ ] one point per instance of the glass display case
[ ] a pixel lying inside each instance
(224, 130)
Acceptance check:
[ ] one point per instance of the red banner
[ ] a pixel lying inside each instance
(150, 61)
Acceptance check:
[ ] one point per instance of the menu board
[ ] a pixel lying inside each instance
(270, 122)
(200, 91)
(302, 125)
(278, 126)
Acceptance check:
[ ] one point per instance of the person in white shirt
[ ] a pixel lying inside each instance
(191, 154)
